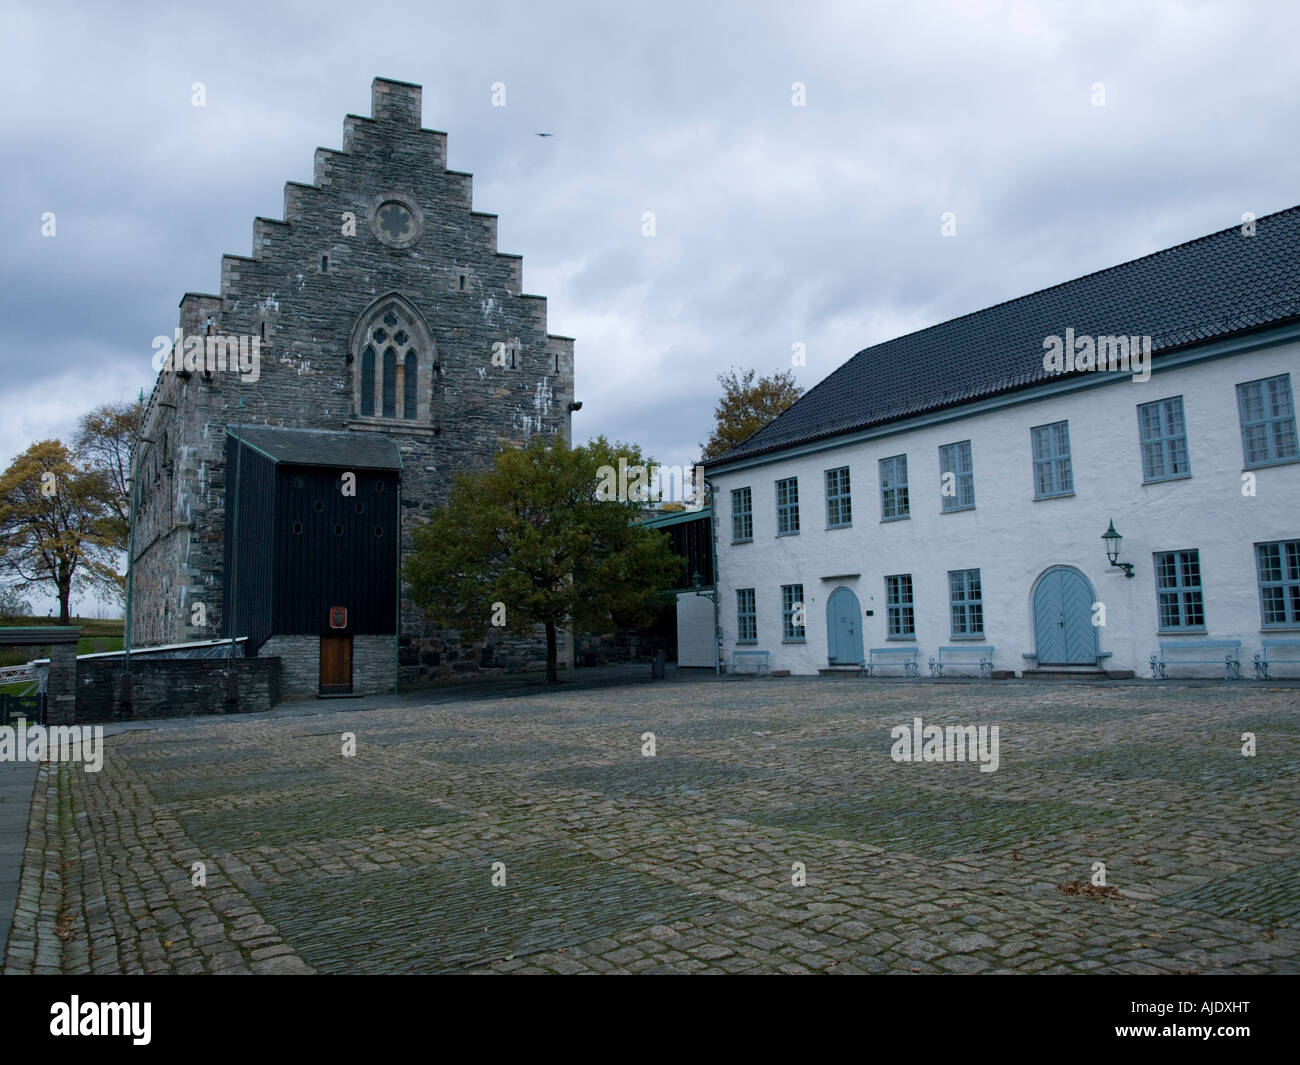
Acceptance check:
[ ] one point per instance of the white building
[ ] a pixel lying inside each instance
(842, 505)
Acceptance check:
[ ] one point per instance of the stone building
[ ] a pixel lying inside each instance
(380, 316)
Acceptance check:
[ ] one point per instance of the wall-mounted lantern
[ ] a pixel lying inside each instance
(1113, 541)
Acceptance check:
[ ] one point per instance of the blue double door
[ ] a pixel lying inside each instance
(1064, 634)
(843, 629)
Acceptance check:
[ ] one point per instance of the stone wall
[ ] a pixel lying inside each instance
(436, 655)
(300, 658)
(372, 664)
(174, 687)
(302, 296)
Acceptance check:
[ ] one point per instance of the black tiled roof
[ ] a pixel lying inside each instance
(322, 447)
(1206, 289)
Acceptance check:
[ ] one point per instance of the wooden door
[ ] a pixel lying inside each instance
(843, 628)
(1063, 629)
(335, 665)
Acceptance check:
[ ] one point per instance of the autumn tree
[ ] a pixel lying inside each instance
(528, 542)
(54, 525)
(103, 447)
(746, 406)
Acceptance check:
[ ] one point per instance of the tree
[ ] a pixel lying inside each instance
(103, 446)
(528, 542)
(13, 606)
(54, 525)
(746, 406)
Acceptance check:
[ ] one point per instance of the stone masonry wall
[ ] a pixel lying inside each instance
(372, 664)
(302, 297)
(174, 687)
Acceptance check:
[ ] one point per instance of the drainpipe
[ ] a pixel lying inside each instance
(397, 599)
(717, 618)
(232, 689)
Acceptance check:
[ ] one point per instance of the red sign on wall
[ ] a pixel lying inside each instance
(338, 617)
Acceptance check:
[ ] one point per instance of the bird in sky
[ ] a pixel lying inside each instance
(545, 134)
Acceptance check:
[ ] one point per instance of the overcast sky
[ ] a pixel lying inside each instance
(775, 224)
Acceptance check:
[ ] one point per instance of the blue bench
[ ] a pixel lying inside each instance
(1225, 653)
(1269, 653)
(757, 658)
(968, 655)
(906, 655)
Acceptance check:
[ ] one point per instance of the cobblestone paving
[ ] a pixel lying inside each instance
(615, 862)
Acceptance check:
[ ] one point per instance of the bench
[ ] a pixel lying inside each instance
(1270, 653)
(968, 655)
(758, 659)
(1226, 653)
(906, 657)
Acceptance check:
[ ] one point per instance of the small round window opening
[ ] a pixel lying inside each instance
(338, 529)
(320, 505)
(379, 530)
(297, 528)
(361, 508)
(397, 221)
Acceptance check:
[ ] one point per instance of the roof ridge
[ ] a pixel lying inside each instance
(1211, 289)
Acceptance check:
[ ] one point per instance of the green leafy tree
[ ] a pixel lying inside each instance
(55, 527)
(746, 406)
(531, 542)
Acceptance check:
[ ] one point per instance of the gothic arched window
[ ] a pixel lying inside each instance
(398, 383)
(410, 379)
(368, 383)
(390, 383)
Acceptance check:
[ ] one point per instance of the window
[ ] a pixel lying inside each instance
(957, 490)
(392, 342)
(746, 616)
(1268, 432)
(839, 507)
(742, 515)
(1178, 590)
(1164, 440)
(898, 605)
(792, 613)
(368, 383)
(410, 375)
(966, 602)
(893, 488)
(390, 383)
(1279, 583)
(1053, 475)
(787, 506)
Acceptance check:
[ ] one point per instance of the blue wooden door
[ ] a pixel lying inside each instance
(1063, 629)
(843, 628)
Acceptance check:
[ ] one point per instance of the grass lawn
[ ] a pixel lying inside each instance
(97, 634)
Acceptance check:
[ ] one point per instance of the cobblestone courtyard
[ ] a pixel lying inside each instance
(681, 862)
